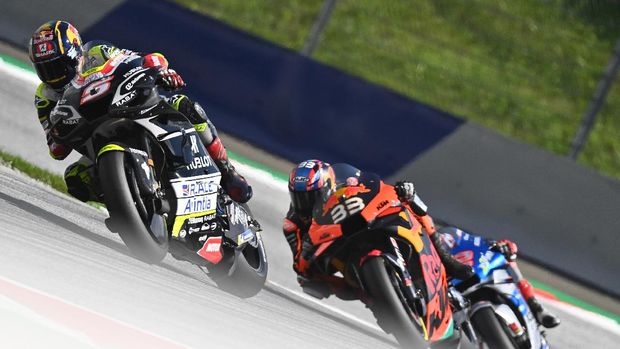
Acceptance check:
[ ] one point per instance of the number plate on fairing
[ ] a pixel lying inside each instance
(196, 194)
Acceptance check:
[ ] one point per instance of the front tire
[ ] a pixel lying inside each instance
(387, 306)
(493, 332)
(124, 214)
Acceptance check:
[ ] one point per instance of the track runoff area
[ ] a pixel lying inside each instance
(30, 308)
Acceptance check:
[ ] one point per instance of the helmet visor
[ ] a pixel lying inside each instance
(303, 201)
(55, 72)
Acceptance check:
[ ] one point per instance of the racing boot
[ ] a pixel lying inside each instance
(543, 317)
(81, 180)
(233, 183)
(454, 268)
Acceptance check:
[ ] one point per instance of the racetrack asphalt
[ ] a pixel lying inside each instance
(60, 247)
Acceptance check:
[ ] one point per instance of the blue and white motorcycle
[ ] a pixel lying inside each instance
(491, 303)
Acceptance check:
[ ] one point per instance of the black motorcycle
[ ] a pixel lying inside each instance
(159, 184)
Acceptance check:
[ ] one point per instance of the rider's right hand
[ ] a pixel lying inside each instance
(404, 190)
(506, 247)
(170, 80)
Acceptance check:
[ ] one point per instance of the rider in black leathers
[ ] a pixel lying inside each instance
(55, 51)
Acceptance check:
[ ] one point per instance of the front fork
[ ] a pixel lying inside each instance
(413, 296)
(460, 314)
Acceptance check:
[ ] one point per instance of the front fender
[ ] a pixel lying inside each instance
(141, 164)
(396, 262)
(504, 313)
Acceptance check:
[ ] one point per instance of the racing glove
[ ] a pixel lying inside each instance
(506, 247)
(453, 267)
(302, 259)
(57, 151)
(404, 190)
(170, 80)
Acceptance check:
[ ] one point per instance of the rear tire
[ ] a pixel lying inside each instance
(387, 306)
(250, 274)
(493, 332)
(124, 214)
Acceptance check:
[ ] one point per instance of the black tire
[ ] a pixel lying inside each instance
(492, 331)
(387, 306)
(249, 275)
(124, 214)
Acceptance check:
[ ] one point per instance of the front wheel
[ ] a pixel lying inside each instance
(117, 182)
(387, 305)
(493, 332)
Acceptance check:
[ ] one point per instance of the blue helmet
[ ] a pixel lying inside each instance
(55, 49)
(311, 179)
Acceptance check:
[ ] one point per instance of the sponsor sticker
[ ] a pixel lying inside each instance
(245, 237)
(195, 220)
(196, 204)
(131, 71)
(44, 49)
(189, 187)
(130, 84)
(138, 152)
(211, 250)
(209, 226)
(477, 241)
(196, 194)
(200, 162)
(126, 98)
(237, 215)
(194, 141)
(43, 36)
(199, 188)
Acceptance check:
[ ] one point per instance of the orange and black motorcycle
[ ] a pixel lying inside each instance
(373, 239)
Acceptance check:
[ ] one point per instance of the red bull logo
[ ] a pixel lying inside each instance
(343, 192)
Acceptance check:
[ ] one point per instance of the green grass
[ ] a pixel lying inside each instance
(53, 180)
(525, 68)
(17, 163)
(564, 297)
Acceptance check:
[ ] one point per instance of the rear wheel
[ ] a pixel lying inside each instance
(493, 331)
(249, 275)
(387, 305)
(128, 210)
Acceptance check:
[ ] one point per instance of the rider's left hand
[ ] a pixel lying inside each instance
(170, 80)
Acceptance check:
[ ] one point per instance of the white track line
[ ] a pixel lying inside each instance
(76, 321)
(328, 307)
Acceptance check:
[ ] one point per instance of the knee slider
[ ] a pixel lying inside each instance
(78, 181)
